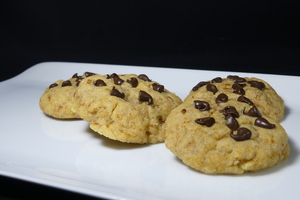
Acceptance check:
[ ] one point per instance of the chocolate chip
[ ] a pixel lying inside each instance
(87, 74)
(199, 85)
(53, 85)
(117, 93)
(144, 96)
(157, 87)
(257, 84)
(66, 83)
(183, 111)
(230, 111)
(232, 123)
(144, 77)
(217, 80)
(206, 121)
(262, 122)
(201, 105)
(99, 83)
(221, 98)
(133, 82)
(238, 89)
(75, 75)
(242, 134)
(253, 112)
(236, 79)
(212, 88)
(245, 100)
(117, 79)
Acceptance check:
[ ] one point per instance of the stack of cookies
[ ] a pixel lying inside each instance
(224, 126)
(229, 126)
(128, 108)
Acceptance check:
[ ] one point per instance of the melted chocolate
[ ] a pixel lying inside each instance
(236, 79)
(230, 111)
(75, 75)
(87, 74)
(117, 79)
(117, 93)
(133, 82)
(157, 87)
(257, 84)
(238, 89)
(221, 98)
(201, 105)
(263, 123)
(144, 96)
(206, 121)
(217, 80)
(242, 134)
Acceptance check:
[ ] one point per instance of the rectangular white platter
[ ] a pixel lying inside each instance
(66, 154)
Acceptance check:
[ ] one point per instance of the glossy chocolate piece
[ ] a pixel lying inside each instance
(66, 83)
(87, 74)
(212, 88)
(236, 79)
(144, 77)
(201, 105)
(206, 121)
(263, 123)
(116, 78)
(221, 98)
(253, 112)
(99, 83)
(230, 111)
(53, 85)
(242, 134)
(157, 87)
(232, 123)
(238, 89)
(133, 82)
(257, 84)
(145, 97)
(199, 85)
(245, 100)
(217, 80)
(117, 93)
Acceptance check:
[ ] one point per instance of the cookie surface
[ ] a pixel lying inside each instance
(129, 108)
(218, 134)
(58, 99)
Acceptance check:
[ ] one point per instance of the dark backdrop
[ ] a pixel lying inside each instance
(251, 36)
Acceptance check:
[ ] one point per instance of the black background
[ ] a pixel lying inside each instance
(246, 36)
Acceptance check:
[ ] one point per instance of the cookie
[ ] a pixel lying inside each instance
(58, 99)
(253, 91)
(128, 108)
(219, 134)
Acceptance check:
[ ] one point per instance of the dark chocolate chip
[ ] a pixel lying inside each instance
(221, 98)
(206, 121)
(144, 77)
(144, 96)
(133, 82)
(201, 105)
(66, 83)
(232, 123)
(257, 84)
(117, 79)
(262, 122)
(53, 85)
(238, 89)
(75, 75)
(212, 88)
(245, 100)
(157, 87)
(87, 74)
(199, 85)
(183, 111)
(117, 93)
(99, 83)
(242, 134)
(217, 80)
(236, 79)
(253, 112)
(231, 111)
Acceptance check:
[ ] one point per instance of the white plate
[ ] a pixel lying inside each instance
(67, 155)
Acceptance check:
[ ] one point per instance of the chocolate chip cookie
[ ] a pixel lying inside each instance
(58, 99)
(223, 129)
(129, 108)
